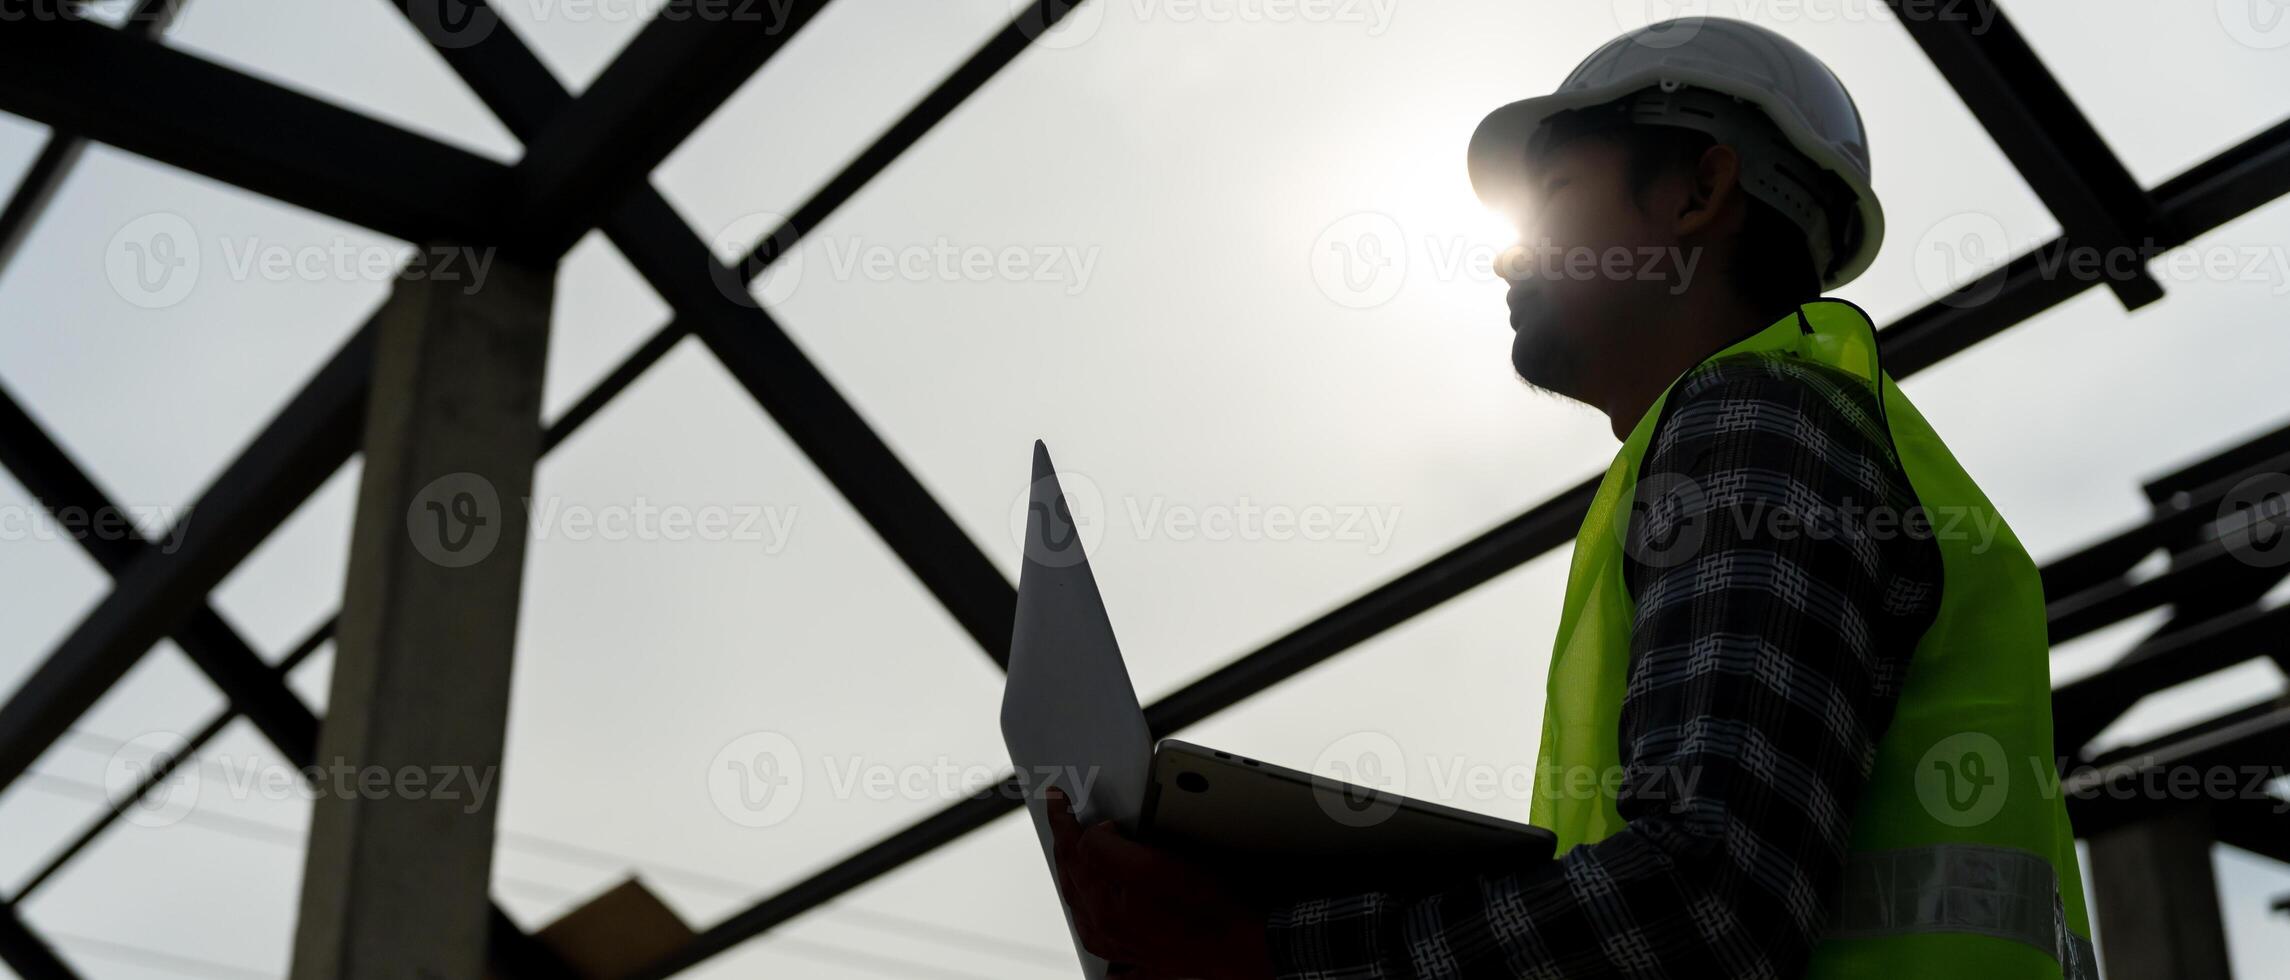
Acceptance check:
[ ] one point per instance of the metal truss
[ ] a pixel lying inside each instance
(586, 166)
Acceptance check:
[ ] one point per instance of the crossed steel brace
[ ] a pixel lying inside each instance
(586, 165)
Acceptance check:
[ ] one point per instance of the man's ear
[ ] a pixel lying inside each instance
(1715, 186)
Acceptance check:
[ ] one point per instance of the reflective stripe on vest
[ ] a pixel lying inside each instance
(1993, 891)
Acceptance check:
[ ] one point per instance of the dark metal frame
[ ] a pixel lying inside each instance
(587, 165)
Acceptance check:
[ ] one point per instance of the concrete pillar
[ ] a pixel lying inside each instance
(2156, 896)
(401, 839)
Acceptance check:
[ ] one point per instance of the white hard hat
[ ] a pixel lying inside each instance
(1701, 73)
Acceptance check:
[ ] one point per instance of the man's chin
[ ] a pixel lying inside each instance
(1542, 364)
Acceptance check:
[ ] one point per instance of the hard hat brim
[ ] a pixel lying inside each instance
(1501, 171)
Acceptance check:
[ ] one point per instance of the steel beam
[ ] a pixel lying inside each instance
(2111, 792)
(821, 422)
(253, 688)
(2234, 183)
(2217, 620)
(154, 775)
(149, 19)
(2260, 826)
(878, 859)
(2242, 179)
(2197, 571)
(57, 156)
(2024, 109)
(148, 99)
(311, 438)
(2082, 708)
(25, 952)
(2209, 479)
(691, 57)
(951, 92)
(115, 544)
(2183, 509)
(712, 302)
(308, 440)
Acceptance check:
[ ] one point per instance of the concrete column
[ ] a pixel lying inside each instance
(401, 839)
(2156, 897)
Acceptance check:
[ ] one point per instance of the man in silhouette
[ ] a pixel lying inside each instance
(1750, 590)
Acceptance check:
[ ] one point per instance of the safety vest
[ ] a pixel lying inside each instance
(1962, 863)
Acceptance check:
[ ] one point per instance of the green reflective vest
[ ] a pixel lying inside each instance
(1962, 862)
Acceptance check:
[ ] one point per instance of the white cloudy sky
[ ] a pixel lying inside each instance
(1181, 355)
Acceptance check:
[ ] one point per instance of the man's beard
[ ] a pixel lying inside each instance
(1543, 359)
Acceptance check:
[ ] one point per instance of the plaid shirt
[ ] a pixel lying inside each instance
(1765, 661)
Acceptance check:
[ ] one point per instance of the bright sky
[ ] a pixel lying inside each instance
(1171, 174)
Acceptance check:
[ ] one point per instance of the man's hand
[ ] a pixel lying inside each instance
(1151, 913)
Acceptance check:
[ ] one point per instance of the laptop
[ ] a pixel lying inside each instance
(1071, 719)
